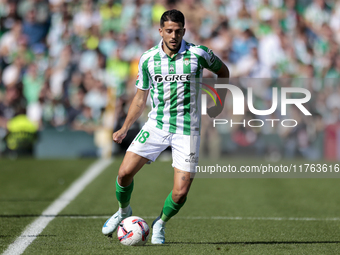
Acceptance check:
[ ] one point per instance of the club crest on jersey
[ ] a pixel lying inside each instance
(186, 61)
(171, 69)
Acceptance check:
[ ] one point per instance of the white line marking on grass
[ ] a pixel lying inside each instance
(37, 226)
(215, 218)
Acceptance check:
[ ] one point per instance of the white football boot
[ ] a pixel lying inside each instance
(112, 223)
(158, 232)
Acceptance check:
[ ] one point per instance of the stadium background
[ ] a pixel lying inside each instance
(70, 65)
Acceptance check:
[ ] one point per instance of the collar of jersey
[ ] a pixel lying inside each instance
(182, 50)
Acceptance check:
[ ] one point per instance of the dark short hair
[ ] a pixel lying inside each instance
(172, 15)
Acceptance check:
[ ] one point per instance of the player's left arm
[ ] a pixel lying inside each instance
(223, 72)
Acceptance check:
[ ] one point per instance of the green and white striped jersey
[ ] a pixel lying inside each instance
(175, 96)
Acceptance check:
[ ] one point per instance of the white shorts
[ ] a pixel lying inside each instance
(151, 141)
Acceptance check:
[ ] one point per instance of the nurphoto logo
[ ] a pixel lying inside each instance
(239, 103)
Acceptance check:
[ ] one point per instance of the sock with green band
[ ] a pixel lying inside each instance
(123, 194)
(170, 208)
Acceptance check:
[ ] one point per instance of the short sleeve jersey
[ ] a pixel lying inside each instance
(175, 96)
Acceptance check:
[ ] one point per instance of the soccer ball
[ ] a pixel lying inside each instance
(133, 231)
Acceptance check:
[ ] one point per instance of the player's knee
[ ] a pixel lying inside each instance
(125, 176)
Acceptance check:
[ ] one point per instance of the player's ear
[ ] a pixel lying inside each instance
(184, 31)
(160, 30)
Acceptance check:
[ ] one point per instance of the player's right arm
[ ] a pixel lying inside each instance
(136, 109)
(137, 106)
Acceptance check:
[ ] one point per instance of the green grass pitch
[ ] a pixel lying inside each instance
(221, 216)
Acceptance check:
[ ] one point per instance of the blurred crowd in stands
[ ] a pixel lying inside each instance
(64, 62)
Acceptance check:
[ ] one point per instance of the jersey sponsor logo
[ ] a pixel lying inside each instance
(157, 63)
(171, 69)
(172, 77)
(158, 78)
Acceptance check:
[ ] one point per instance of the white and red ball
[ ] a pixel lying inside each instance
(133, 231)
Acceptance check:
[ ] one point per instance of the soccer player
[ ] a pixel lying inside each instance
(174, 120)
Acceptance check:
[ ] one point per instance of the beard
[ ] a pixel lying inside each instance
(172, 48)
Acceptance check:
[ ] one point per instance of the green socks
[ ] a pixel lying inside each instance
(170, 208)
(123, 194)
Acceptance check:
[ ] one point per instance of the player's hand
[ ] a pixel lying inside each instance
(118, 136)
(214, 111)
